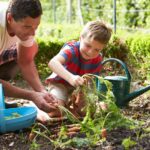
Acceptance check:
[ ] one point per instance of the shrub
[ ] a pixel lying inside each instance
(139, 55)
(116, 48)
(47, 49)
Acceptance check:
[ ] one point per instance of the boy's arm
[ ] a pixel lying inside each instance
(56, 65)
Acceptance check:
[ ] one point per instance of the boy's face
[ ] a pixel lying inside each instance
(89, 48)
(24, 28)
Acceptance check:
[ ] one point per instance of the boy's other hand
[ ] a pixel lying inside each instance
(76, 80)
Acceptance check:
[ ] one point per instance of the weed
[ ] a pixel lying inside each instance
(127, 143)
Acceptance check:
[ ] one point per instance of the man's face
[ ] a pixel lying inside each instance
(24, 28)
(90, 48)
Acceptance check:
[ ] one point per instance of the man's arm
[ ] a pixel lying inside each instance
(37, 97)
(13, 91)
(26, 63)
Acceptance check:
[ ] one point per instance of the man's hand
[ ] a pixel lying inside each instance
(44, 101)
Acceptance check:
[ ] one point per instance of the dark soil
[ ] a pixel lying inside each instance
(139, 109)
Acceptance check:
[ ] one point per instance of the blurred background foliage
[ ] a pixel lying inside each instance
(62, 20)
(130, 13)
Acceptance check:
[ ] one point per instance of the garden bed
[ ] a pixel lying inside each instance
(134, 139)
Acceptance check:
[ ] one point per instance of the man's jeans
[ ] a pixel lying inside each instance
(8, 70)
(8, 64)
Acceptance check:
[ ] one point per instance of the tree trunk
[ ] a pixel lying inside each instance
(80, 12)
(69, 10)
(54, 10)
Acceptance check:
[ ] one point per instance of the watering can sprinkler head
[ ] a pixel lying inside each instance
(121, 85)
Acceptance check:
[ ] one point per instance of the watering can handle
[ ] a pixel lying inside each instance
(121, 63)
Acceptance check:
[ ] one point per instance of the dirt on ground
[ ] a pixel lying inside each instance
(138, 109)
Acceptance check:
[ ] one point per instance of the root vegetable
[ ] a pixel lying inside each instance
(104, 133)
(103, 106)
(71, 133)
(74, 129)
(73, 125)
(78, 98)
(31, 136)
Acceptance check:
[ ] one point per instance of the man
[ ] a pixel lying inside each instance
(18, 23)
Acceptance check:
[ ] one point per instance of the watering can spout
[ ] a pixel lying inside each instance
(136, 93)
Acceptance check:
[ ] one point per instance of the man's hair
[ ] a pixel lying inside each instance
(97, 30)
(21, 9)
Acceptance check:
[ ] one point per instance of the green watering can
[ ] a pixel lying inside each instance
(121, 85)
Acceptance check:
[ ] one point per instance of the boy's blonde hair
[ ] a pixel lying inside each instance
(97, 30)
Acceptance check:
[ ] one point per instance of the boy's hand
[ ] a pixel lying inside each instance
(76, 80)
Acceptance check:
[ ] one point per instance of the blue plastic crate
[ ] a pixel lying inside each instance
(2, 104)
(27, 116)
(13, 119)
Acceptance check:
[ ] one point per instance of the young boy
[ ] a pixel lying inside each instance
(77, 58)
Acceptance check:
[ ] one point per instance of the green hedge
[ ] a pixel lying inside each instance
(139, 56)
(47, 49)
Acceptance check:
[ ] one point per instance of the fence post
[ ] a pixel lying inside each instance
(54, 10)
(114, 15)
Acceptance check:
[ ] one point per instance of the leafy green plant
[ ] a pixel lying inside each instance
(34, 146)
(95, 120)
(128, 143)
